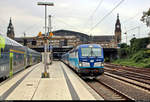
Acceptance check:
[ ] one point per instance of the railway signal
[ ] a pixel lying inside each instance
(40, 34)
(51, 34)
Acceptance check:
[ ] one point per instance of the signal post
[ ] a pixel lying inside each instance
(45, 39)
(45, 74)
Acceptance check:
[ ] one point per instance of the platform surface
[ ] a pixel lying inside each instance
(63, 84)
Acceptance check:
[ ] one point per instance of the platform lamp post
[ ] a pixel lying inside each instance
(126, 36)
(50, 34)
(45, 74)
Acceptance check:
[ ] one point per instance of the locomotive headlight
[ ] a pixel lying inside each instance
(80, 64)
(97, 64)
(102, 64)
(85, 64)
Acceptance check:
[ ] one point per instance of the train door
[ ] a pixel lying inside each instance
(11, 64)
(30, 59)
(25, 60)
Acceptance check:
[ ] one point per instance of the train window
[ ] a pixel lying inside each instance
(33, 42)
(96, 51)
(1, 57)
(86, 51)
(25, 42)
(91, 51)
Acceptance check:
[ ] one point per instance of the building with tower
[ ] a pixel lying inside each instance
(10, 30)
(68, 38)
(118, 30)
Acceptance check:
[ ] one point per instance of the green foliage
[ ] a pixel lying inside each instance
(106, 59)
(138, 44)
(123, 45)
(124, 50)
(140, 56)
(136, 54)
(129, 62)
(145, 19)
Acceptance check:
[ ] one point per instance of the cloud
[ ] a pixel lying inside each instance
(28, 17)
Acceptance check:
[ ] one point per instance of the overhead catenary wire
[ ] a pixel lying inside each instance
(96, 9)
(127, 20)
(92, 14)
(3, 26)
(107, 15)
(61, 21)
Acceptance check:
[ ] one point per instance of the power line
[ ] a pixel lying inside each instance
(107, 14)
(30, 27)
(133, 28)
(91, 17)
(92, 14)
(125, 21)
(56, 18)
(3, 25)
(96, 9)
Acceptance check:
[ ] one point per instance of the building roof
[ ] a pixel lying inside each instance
(107, 38)
(83, 37)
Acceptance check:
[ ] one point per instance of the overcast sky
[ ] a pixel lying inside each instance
(74, 15)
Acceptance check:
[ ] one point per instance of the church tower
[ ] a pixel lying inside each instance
(10, 30)
(118, 30)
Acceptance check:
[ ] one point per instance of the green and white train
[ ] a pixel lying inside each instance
(15, 57)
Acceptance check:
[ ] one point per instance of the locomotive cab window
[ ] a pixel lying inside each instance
(96, 51)
(91, 51)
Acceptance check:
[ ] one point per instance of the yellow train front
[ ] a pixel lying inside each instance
(87, 60)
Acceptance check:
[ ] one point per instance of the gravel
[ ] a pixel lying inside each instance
(128, 89)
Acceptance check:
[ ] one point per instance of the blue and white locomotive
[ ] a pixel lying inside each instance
(87, 60)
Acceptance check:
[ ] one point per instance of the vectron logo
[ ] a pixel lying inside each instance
(2, 44)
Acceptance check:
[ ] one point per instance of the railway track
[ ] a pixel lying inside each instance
(143, 86)
(106, 91)
(145, 71)
(116, 87)
(137, 76)
(112, 87)
(130, 75)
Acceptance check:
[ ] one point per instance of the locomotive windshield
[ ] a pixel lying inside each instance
(91, 51)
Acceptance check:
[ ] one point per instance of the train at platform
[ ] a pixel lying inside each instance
(15, 57)
(86, 59)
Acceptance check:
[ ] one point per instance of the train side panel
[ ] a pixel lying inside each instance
(14, 57)
(4, 57)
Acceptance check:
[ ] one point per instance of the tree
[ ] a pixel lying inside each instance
(124, 45)
(146, 18)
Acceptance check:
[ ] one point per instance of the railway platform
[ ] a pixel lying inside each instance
(63, 84)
